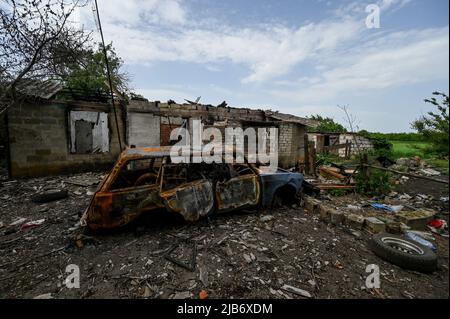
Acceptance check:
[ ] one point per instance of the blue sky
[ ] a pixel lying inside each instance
(301, 57)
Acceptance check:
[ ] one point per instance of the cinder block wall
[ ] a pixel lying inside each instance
(143, 129)
(357, 141)
(290, 144)
(291, 135)
(39, 140)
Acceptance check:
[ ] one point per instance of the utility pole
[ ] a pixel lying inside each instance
(108, 73)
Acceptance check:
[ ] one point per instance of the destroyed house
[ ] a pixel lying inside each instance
(50, 135)
(341, 144)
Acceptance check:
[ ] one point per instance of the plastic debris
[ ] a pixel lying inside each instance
(18, 222)
(429, 172)
(203, 294)
(354, 208)
(296, 291)
(438, 226)
(404, 197)
(424, 234)
(421, 240)
(388, 208)
(32, 224)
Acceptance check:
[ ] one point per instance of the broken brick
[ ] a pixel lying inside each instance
(336, 217)
(374, 225)
(354, 221)
(416, 219)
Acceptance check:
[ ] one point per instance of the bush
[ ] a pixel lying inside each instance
(377, 183)
(381, 147)
(435, 125)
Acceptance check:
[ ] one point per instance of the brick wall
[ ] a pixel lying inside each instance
(291, 135)
(39, 140)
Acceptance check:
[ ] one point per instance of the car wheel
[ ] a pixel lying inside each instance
(277, 200)
(404, 252)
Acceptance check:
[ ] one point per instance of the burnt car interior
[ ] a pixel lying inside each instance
(149, 171)
(137, 173)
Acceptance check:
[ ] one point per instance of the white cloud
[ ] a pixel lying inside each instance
(163, 94)
(135, 12)
(268, 52)
(346, 58)
(353, 8)
(392, 4)
(398, 59)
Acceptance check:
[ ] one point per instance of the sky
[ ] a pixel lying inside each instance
(301, 57)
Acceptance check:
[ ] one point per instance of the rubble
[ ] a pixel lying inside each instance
(336, 217)
(49, 195)
(44, 296)
(429, 172)
(266, 218)
(374, 225)
(293, 247)
(417, 220)
(354, 221)
(297, 291)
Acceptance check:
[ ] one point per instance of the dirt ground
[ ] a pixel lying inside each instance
(240, 255)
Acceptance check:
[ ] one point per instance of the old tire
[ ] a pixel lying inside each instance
(404, 252)
(49, 196)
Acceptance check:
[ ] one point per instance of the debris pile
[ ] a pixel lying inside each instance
(278, 253)
(415, 165)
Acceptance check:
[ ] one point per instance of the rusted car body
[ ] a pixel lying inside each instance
(144, 180)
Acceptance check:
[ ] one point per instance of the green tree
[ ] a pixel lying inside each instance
(434, 125)
(327, 125)
(89, 72)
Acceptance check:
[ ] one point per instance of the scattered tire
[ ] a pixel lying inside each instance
(404, 252)
(49, 196)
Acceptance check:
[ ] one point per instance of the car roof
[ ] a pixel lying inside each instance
(164, 151)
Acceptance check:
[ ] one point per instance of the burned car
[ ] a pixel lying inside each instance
(144, 180)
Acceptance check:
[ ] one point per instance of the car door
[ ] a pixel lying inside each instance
(120, 202)
(238, 192)
(192, 200)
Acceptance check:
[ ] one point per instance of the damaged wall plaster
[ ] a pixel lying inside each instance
(100, 131)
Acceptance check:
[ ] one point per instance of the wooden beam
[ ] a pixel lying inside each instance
(334, 186)
(408, 174)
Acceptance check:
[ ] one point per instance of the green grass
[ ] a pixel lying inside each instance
(409, 149)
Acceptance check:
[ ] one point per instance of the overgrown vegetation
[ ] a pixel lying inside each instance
(375, 184)
(326, 125)
(36, 39)
(435, 125)
(327, 158)
(409, 137)
(382, 147)
(88, 74)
